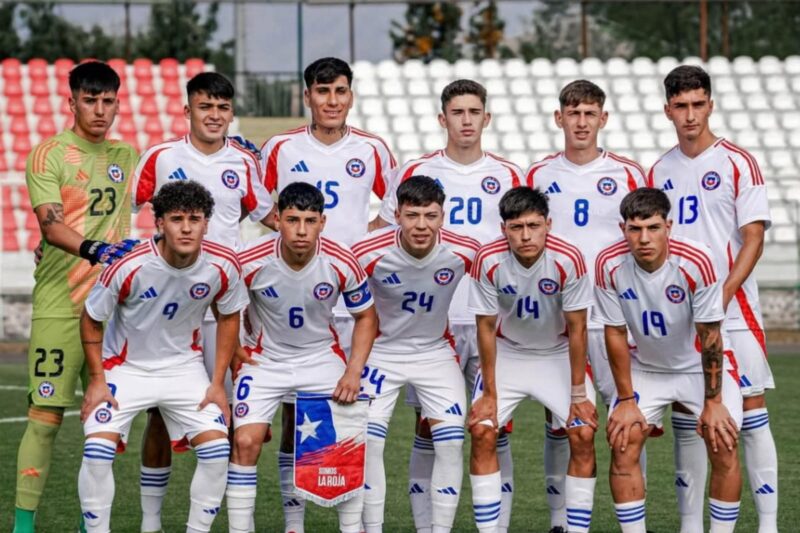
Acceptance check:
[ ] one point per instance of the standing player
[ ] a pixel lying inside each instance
(233, 177)
(584, 185)
(719, 196)
(413, 272)
(346, 164)
(666, 292)
(530, 294)
(79, 187)
(474, 181)
(294, 279)
(154, 301)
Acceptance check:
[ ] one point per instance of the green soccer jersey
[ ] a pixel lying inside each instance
(92, 182)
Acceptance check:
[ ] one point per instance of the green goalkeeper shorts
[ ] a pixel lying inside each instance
(55, 361)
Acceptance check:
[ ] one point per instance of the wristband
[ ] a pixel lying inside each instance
(90, 250)
(620, 400)
(578, 394)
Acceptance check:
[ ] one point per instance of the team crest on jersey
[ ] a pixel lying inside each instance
(323, 291)
(548, 286)
(607, 186)
(230, 179)
(199, 291)
(711, 181)
(490, 185)
(241, 409)
(46, 389)
(444, 276)
(103, 415)
(355, 167)
(115, 173)
(675, 294)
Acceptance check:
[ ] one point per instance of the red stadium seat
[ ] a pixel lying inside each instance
(24, 197)
(8, 203)
(154, 131)
(175, 107)
(3, 162)
(39, 87)
(34, 240)
(62, 88)
(125, 106)
(143, 68)
(179, 126)
(46, 127)
(144, 221)
(125, 124)
(10, 242)
(16, 106)
(63, 66)
(172, 89)
(169, 68)
(63, 107)
(42, 106)
(37, 68)
(123, 89)
(131, 138)
(19, 126)
(11, 68)
(12, 88)
(119, 66)
(21, 145)
(31, 222)
(148, 107)
(194, 66)
(144, 88)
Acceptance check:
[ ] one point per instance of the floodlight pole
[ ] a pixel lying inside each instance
(240, 23)
(704, 30)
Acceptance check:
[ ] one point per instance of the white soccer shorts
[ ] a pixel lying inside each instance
(755, 376)
(601, 369)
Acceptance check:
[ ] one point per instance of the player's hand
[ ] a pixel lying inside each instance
(484, 408)
(585, 412)
(348, 387)
(96, 393)
(108, 253)
(624, 416)
(715, 424)
(38, 253)
(246, 144)
(215, 393)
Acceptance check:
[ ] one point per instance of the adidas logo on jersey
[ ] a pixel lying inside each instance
(392, 279)
(508, 289)
(448, 490)
(679, 482)
(178, 175)
(148, 294)
(454, 410)
(765, 489)
(416, 489)
(667, 185)
(269, 292)
(300, 167)
(553, 188)
(629, 295)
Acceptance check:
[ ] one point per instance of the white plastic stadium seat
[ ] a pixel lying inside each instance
(419, 87)
(465, 68)
(731, 102)
(776, 84)
(533, 123)
(429, 124)
(512, 142)
(794, 140)
(773, 139)
(750, 84)
(659, 122)
(757, 102)
(388, 70)
(770, 66)
(520, 87)
(591, 67)
(525, 105)
(783, 102)
(439, 68)
(433, 141)
(414, 69)
(363, 70)
(628, 103)
(394, 87)
(545, 87)
(622, 86)
(496, 87)
(766, 121)
(539, 141)
(719, 66)
(376, 124)
(515, 68)
(542, 68)
(617, 66)
(792, 65)
(749, 140)
(636, 122)
(614, 123)
(397, 107)
(366, 87)
(665, 65)
(404, 124)
(744, 66)
(499, 105)
(371, 106)
(649, 86)
(490, 142)
(566, 67)
(780, 159)
(647, 158)
(506, 124)
(654, 103)
(617, 141)
(643, 140)
(423, 107)
(786, 234)
(490, 68)
(693, 60)
(409, 142)
(790, 121)
(643, 66)
(739, 121)
(724, 85)
(666, 139)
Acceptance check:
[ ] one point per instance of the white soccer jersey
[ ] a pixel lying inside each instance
(232, 176)
(530, 302)
(412, 296)
(713, 195)
(291, 312)
(346, 172)
(473, 194)
(155, 311)
(584, 199)
(660, 309)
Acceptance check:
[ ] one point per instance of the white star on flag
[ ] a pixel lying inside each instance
(308, 428)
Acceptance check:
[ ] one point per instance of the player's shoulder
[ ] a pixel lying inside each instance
(501, 162)
(141, 254)
(623, 161)
(459, 242)
(491, 253)
(283, 137)
(219, 253)
(168, 145)
(375, 242)
(611, 256)
(742, 158)
(239, 151)
(338, 253)
(692, 255)
(369, 138)
(259, 249)
(50, 150)
(549, 162)
(407, 169)
(118, 147)
(563, 248)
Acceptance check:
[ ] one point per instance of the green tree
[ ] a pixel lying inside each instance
(486, 32)
(430, 31)
(50, 36)
(550, 35)
(9, 40)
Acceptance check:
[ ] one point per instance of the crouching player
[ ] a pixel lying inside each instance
(154, 300)
(666, 291)
(530, 293)
(413, 273)
(294, 279)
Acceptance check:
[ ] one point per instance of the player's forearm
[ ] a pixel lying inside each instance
(270, 220)
(377, 223)
(92, 342)
(619, 359)
(227, 340)
(711, 356)
(55, 231)
(487, 350)
(746, 259)
(365, 328)
(576, 323)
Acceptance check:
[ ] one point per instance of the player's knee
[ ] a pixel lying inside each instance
(484, 440)
(754, 402)
(246, 447)
(51, 416)
(724, 461)
(581, 444)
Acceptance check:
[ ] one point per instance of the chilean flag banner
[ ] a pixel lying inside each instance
(330, 448)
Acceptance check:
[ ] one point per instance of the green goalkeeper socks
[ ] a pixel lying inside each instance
(34, 456)
(23, 521)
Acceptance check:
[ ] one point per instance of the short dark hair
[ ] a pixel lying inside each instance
(184, 196)
(581, 92)
(420, 191)
(520, 200)
(462, 87)
(301, 196)
(326, 70)
(643, 203)
(93, 77)
(686, 78)
(212, 84)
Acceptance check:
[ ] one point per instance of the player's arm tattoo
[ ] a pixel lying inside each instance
(54, 213)
(711, 357)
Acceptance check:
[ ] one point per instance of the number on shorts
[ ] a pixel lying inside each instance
(41, 357)
(170, 309)
(113, 388)
(375, 378)
(243, 390)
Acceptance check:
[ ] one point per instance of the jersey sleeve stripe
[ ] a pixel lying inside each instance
(627, 162)
(225, 253)
(515, 175)
(379, 241)
(125, 288)
(146, 181)
(615, 250)
(536, 167)
(262, 250)
(250, 202)
(689, 279)
(697, 256)
(247, 154)
(462, 240)
(346, 256)
(379, 184)
(271, 172)
(370, 268)
(569, 249)
(755, 171)
(362, 133)
(611, 276)
(39, 157)
(223, 283)
(562, 274)
(498, 246)
(107, 275)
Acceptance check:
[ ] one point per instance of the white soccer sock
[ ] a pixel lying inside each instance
(556, 462)
(631, 516)
(580, 501)
(294, 507)
(723, 516)
(486, 500)
(374, 479)
(420, 468)
(506, 481)
(643, 465)
(152, 489)
(96, 484)
(761, 460)
(691, 467)
(241, 496)
(208, 484)
(350, 514)
(448, 469)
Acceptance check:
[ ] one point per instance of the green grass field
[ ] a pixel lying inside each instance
(59, 511)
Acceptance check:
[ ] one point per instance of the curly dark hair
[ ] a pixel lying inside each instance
(183, 196)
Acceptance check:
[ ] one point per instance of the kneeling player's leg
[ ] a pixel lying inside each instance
(627, 483)
(96, 481)
(210, 479)
(242, 476)
(556, 462)
(485, 476)
(155, 470)
(691, 468)
(581, 478)
(294, 506)
(420, 466)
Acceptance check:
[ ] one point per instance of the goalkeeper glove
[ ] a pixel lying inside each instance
(103, 252)
(246, 144)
